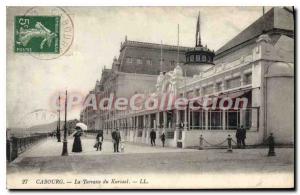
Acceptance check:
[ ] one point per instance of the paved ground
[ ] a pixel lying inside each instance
(45, 157)
(51, 147)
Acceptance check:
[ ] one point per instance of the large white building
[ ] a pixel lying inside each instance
(257, 64)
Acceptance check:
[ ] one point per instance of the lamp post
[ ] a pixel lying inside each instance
(58, 124)
(65, 141)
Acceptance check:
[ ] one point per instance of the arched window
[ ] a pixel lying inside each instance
(198, 59)
(203, 58)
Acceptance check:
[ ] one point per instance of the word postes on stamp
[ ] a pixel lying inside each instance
(37, 34)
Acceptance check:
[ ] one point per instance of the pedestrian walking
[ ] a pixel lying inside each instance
(238, 137)
(152, 137)
(271, 143)
(163, 139)
(243, 137)
(77, 141)
(99, 140)
(116, 138)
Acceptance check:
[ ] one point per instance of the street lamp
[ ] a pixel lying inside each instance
(58, 124)
(65, 141)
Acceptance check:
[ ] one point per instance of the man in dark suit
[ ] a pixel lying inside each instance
(163, 138)
(116, 138)
(113, 138)
(152, 137)
(238, 137)
(243, 136)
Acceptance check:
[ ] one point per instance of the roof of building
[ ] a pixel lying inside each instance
(152, 45)
(145, 58)
(271, 20)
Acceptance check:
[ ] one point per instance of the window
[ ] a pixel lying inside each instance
(139, 61)
(161, 119)
(215, 120)
(219, 86)
(248, 79)
(247, 119)
(203, 58)
(172, 62)
(233, 83)
(170, 119)
(191, 58)
(140, 122)
(197, 92)
(202, 120)
(208, 90)
(198, 58)
(198, 120)
(148, 62)
(129, 60)
(232, 119)
(209, 59)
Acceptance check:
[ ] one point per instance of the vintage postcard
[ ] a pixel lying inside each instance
(150, 97)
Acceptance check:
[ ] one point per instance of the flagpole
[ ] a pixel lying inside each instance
(178, 44)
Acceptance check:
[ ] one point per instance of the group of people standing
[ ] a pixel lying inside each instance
(116, 139)
(77, 147)
(153, 138)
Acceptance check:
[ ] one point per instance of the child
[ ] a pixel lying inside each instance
(122, 147)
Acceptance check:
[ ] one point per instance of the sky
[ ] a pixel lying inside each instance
(98, 32)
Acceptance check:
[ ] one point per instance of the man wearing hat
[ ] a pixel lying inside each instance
(116, 138)
(152, 137)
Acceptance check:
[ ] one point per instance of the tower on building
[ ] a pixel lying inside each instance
(199, 56)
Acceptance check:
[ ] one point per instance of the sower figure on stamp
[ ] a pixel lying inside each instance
(152, 137)
(99, 140)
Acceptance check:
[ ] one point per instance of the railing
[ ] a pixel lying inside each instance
(17, 145)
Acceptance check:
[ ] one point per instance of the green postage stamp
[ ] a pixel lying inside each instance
(37, 34)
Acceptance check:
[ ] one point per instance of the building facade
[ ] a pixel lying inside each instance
(257, 64)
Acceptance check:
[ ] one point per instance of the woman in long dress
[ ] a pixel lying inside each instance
(77, 141)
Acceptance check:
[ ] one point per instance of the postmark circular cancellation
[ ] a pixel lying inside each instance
(44, 32)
